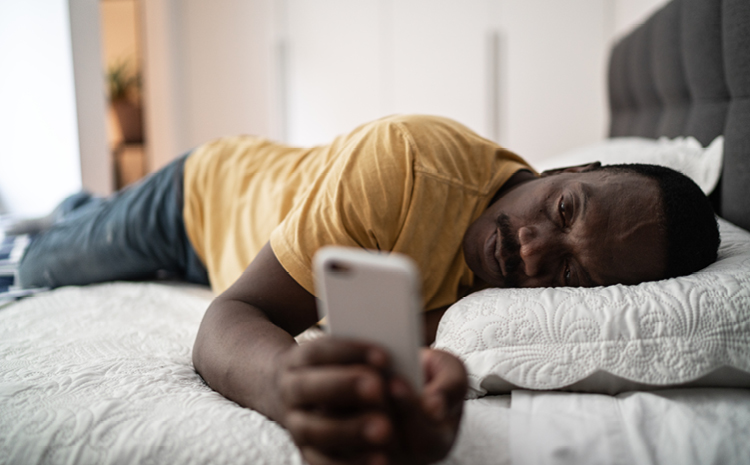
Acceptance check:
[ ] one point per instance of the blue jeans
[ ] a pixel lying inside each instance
(137, 233)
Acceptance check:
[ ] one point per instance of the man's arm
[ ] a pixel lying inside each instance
(247, 328)
(336, 397)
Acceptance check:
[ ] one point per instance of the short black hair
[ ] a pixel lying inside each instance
(689, 220)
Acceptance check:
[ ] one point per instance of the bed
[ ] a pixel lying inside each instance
(103, 373)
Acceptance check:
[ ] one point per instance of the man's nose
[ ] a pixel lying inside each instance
(536, 247)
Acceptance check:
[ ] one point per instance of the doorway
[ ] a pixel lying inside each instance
(123, 58)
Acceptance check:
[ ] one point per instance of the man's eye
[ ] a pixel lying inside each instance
(561, 208)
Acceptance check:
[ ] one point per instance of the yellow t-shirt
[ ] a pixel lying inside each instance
(408, 184)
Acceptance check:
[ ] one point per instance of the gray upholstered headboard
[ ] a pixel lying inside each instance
(686, 71)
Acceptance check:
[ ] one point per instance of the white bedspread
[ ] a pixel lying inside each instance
(103, 374)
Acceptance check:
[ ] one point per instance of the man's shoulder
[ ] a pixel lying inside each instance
(447, 149)
(437, 147)
(431, 136)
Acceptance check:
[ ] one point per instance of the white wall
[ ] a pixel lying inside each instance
(212, 70)
(51, 104)
(163, 87)
(214, 67)
(228, 67)
(90, 94)
(334, 56)
(351, 62)
(554, 94)
(439, 60)
(208, 69)
(39, 161)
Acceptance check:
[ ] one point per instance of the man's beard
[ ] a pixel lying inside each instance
(509, 250)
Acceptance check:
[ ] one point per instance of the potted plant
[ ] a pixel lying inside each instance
(123, 86)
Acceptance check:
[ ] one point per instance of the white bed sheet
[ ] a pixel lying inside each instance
(103, 374)
(677, 426)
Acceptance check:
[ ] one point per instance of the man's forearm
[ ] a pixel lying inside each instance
(237, 351)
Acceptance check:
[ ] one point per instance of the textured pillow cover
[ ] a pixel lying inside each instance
(693, 329)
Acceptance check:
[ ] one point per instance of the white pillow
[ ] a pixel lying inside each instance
(684, 154)
(610, 339)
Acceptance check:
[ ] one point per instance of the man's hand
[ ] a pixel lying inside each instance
(338, 398)
(342, 404)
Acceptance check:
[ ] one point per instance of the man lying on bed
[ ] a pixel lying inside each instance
(470, 213)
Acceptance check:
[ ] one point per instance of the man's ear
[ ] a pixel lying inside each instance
(572, 169)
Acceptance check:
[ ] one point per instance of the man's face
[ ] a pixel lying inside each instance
(570, 229)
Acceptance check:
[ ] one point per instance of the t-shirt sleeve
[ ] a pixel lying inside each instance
(360, 200)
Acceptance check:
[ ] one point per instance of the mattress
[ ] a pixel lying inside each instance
(103, 374)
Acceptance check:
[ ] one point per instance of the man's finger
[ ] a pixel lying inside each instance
(330, 350)
(443, 393)
(334, 386)
(446, 378)
(316, 457)
(339, 437)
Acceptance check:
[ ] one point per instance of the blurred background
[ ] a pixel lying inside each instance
(95, 94)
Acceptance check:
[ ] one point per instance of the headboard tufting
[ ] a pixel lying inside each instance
(686, 71)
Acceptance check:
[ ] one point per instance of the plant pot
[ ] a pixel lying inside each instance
(130, 121)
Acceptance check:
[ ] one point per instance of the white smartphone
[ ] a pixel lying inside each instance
(374, 297)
